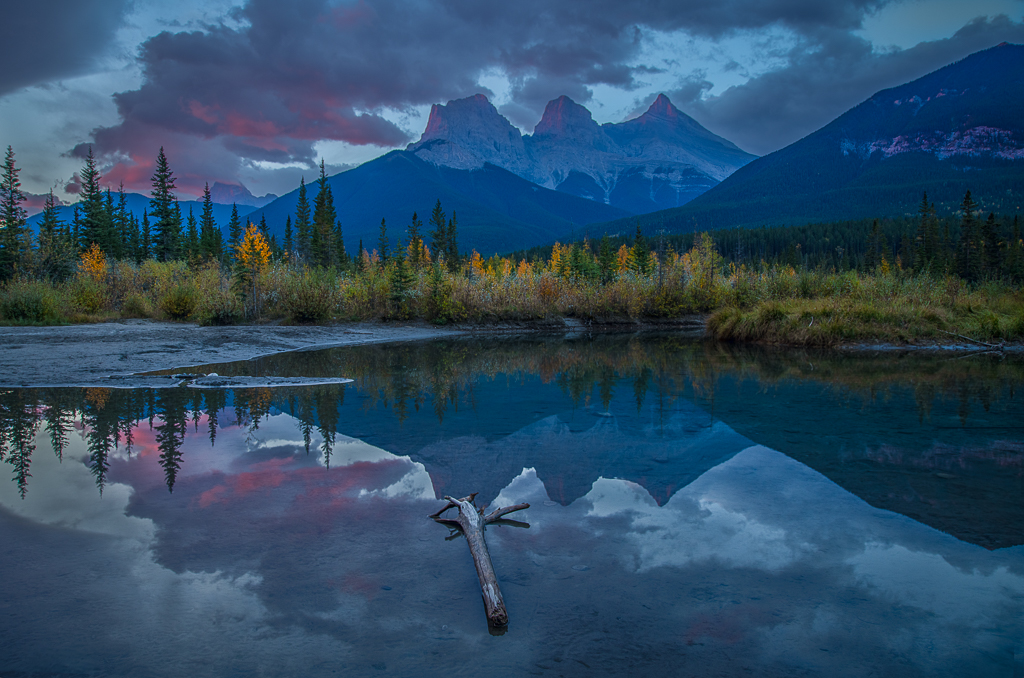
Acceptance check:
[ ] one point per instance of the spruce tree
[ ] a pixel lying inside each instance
(110, 243)
(50, 224)
(12, 218)
(415, 243)
(990, 247)
(96, 224)
(438, 232)
(302, 223)
(340, 253)
(452, 257)
(208, 227)
(146, 250)
(135, 240)
(382, 244)
(640, 255)
(122, 222)
(166, 222)
(606, 261)
(234, 228)
(968, 249)
(288, 244)
(323, 238)
(191, 237)
(55, 255)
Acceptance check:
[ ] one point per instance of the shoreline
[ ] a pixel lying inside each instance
(118, 354)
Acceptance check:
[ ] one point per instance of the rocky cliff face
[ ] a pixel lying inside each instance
(661, 159)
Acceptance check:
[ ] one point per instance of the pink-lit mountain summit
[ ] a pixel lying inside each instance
(660, 159)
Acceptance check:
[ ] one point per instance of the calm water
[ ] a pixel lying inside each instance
(695, 510)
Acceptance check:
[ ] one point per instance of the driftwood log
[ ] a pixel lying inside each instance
(471, 520)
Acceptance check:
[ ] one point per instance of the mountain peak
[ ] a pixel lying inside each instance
(226, 194)
(662, 108)
(467, 133)
(458, 112)
(562, 115)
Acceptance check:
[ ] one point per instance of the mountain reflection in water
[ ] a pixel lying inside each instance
(693, 509)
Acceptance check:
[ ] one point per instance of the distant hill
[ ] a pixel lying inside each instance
(959, 128)
(663, 158)
(497, 211)
(138, 203)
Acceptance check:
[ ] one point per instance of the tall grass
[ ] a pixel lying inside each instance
(774, 305)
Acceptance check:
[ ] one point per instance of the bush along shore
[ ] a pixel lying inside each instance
(770, 303)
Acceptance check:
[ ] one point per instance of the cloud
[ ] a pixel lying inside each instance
(44, 41)
(824, 79)
(281, 77)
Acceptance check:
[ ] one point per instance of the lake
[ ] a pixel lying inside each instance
(696, 509)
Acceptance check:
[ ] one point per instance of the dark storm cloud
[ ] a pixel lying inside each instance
(43, 41)
(817, 85)
(294, 73)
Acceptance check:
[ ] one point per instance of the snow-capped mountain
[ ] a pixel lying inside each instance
(660, 159)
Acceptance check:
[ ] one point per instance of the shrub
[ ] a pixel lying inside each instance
(32, 302)
(87, 294)
(219, 307)
(180, 302)
(136, 306)
(312, 298)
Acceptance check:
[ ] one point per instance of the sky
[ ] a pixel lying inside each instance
(257, 92)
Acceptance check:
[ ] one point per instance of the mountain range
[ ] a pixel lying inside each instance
(956, 129)
(660, 159)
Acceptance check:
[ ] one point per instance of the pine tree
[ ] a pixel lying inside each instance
(110, 238)
(121, 218)
(439, 232)
(990, 247)
(55, 256)
(135, 242)
(302, 223)
(340, 254)
(191, 237)
(401, 281)
(606, 259)
(146, 251)
(382, 244)
(969, 249)
(452, 257)
(288, 244)
(923, 255)
(12, 218)
(166, 223)
(322, 238)
(92, 227)
(640, 255)
(415, 243)
(208, 227)
(234, 228)
(263, 226)
(50, 224)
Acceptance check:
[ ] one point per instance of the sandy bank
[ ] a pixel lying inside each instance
(88, 355)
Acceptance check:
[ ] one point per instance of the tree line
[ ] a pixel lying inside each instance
(101, 219)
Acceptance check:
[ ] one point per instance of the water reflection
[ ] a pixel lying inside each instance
(693, 511)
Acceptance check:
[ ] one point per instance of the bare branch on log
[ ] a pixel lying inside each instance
(471, 521)
(505, 511)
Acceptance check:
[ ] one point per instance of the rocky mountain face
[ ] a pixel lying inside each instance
(660, 159)
(956, 129)
(238, 194)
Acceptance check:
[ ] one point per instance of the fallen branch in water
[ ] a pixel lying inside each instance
(973, 341)
(472, 521)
